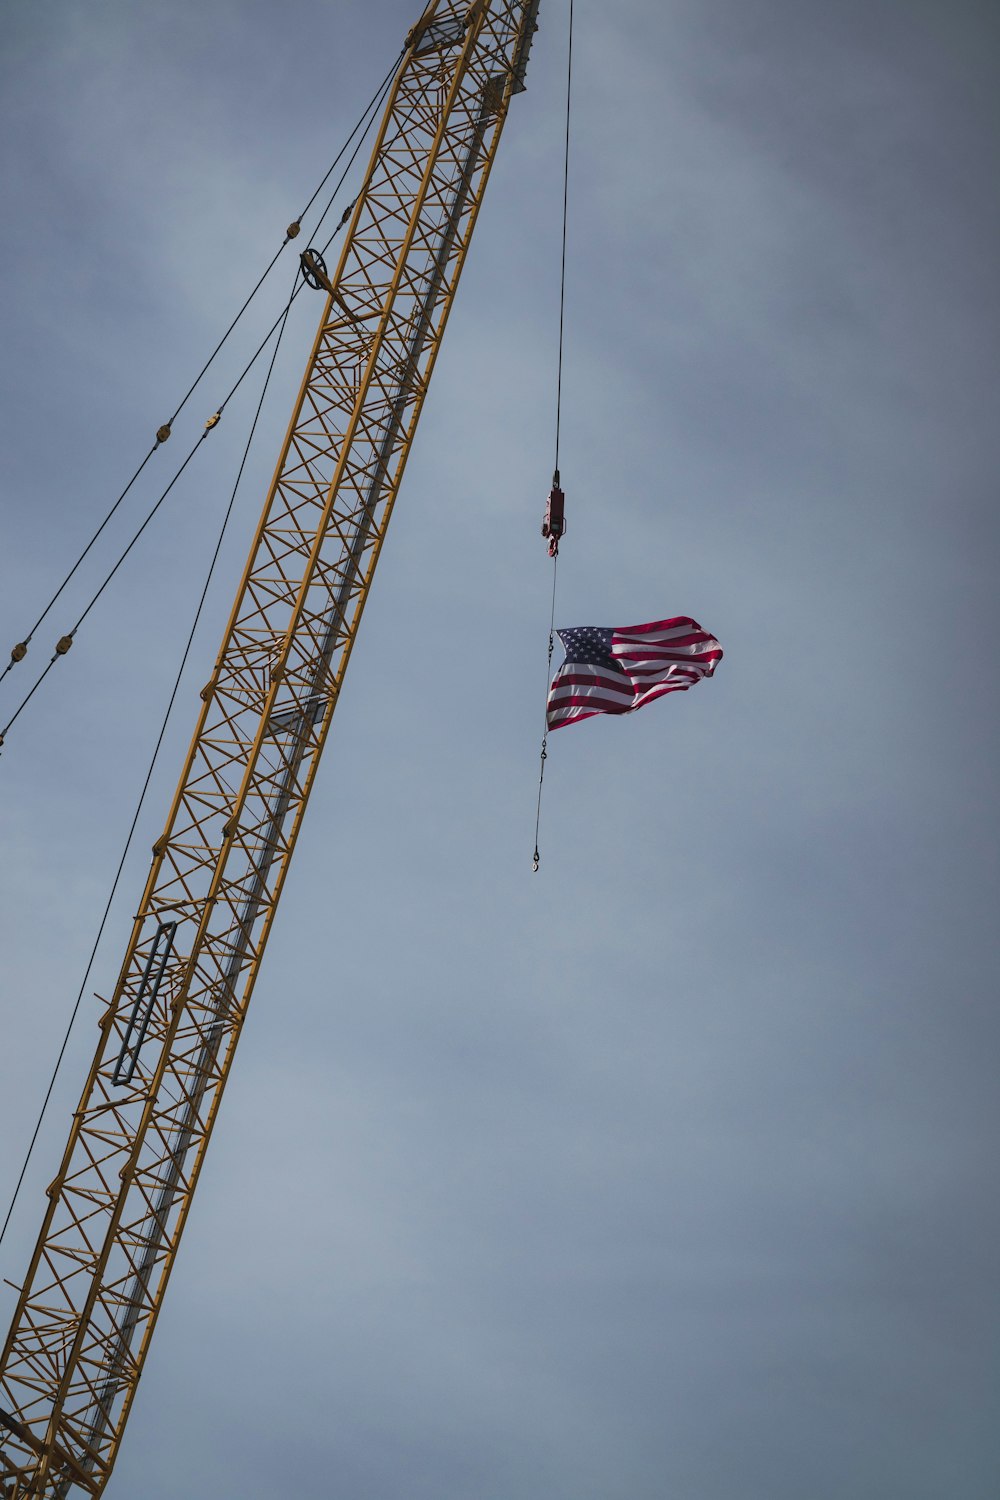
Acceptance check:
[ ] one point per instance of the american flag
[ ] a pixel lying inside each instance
(617, 671)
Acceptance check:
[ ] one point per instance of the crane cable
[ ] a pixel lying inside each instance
(65, 642)
(20, 650)
(536, 857)
(562, 264)
(280, 325)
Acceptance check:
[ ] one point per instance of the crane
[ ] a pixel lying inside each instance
(117, 1206)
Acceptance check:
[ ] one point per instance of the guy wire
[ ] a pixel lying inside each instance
(365, 121)
(149, 773)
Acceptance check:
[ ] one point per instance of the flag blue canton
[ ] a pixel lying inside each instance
(589, 646)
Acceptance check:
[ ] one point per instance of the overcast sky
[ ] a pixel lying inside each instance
(668, 1173)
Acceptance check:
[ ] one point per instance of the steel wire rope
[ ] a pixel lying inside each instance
(152, 764)
(57, 654)
(20, 650)
(562, 265)
(280, 325)
(536, 857)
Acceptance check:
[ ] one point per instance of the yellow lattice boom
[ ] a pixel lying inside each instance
(118, 1203)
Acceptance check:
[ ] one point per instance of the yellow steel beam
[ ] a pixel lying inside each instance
(119, 1202)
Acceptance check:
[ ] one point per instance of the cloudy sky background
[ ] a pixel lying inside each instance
(669, 1171)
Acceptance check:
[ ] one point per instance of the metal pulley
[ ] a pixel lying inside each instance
(314, 271)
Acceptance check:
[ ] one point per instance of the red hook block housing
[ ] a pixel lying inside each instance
(554, 524)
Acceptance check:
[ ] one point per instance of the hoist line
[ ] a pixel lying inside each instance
(152, 764)
(57, 654)
(366, 119)
(562, 267)
(536, 858)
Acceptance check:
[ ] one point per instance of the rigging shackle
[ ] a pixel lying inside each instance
(554, 524)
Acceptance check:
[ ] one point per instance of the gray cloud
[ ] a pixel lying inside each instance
(669, 1171)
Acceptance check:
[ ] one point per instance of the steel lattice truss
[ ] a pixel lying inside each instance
(118, 1204)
